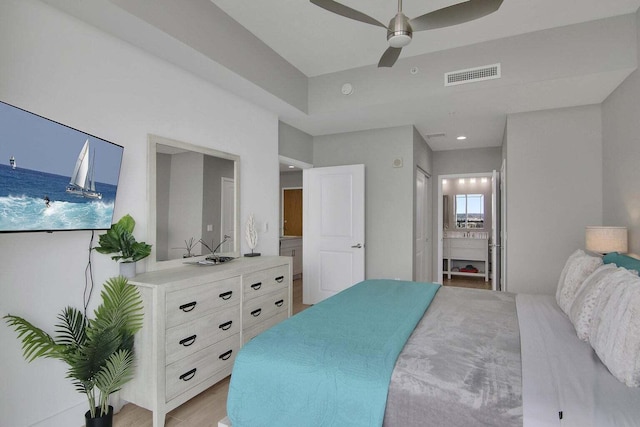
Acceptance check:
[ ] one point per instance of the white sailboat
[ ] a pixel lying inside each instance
(82, 183)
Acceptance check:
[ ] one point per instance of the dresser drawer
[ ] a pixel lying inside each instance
(264, 281)
(190, 337)
(260, 309)
(185, 305)
(257, 329)
(192, 370)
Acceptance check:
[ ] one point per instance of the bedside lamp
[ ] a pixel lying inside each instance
(606, 239)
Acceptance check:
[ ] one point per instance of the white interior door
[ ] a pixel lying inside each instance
(333, 229)
(423, 229)
(495, 232)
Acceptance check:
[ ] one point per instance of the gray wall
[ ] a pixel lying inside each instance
(294, 143)
(554, 173)
(621, 157)
(389, 193)
(163, 185)
(473, 160)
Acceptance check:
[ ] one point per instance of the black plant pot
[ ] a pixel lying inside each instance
(103, 421)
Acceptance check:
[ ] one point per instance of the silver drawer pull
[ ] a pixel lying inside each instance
(188, 307)
(279, 303)
(188, 375)
(188, 341)
(226, 325)
(226, 295)
(256, 313)
(226, 355)
(279, 279)
(256, 286)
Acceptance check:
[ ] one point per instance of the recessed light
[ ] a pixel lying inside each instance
(461, 138)
(444, 181)
(461, 181)
(472, 180)
(291, 167)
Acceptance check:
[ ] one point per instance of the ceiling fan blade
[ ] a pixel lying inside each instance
(389, 57)
(347, 12)
(456, 14)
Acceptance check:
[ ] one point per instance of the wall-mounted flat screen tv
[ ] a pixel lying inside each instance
(54, 177)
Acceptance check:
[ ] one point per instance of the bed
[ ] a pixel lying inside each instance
(465, 358)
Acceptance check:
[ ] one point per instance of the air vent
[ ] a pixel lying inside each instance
(487, 72)
(435, 135)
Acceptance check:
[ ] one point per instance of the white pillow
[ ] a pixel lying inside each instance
(581, 311)
(615, 327)
(578, 267)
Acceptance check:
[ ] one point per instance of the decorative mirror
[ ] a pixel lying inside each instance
(193, 203)
(469, 210)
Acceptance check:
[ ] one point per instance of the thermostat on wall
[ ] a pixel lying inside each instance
(397, 162)
(347, 89)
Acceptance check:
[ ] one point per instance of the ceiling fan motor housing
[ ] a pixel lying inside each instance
(399, 32)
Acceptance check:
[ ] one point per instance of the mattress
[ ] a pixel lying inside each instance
(564, 382)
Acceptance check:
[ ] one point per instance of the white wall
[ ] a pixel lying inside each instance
(58, 67)
(554, 168)
(621, 157)
(388, 193)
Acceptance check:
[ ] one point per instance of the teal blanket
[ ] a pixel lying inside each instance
(331, 364)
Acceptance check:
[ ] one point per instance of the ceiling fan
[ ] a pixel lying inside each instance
(401, 28)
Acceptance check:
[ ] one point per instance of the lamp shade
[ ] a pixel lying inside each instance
(606, 239)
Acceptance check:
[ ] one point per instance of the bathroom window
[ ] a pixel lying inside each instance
(469, 210)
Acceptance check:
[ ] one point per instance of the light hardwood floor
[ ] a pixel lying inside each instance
(209, 407)
(467, 282)
(204, 410)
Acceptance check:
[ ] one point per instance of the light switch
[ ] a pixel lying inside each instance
(209, 227)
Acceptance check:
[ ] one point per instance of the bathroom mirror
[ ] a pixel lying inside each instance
(193, 195)
(469, 210)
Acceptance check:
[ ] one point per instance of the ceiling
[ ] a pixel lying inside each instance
(295, 28)
(553, 53)
(321, 44)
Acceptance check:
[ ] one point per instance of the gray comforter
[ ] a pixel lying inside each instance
(461, 366)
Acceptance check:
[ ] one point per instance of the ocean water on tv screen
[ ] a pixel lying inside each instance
(31, 200)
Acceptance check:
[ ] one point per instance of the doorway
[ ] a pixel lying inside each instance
(467, 228)
(292, 211)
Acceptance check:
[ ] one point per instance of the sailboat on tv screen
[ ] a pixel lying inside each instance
(82, 181)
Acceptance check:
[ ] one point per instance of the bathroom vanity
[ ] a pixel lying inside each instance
(458, 252)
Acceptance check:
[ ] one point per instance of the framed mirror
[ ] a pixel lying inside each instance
(193, 203)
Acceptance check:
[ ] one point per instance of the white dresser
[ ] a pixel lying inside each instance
(195, 320)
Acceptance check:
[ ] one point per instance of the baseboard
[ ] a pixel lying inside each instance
(224, 422)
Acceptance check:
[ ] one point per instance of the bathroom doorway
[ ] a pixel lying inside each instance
(468, 228)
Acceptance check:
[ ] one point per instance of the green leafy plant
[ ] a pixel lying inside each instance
(99, 351)
(119, 240)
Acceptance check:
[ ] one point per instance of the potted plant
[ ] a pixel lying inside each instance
(119, 240)
(98, 351)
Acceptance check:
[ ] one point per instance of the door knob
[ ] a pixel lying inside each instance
(358, 246)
